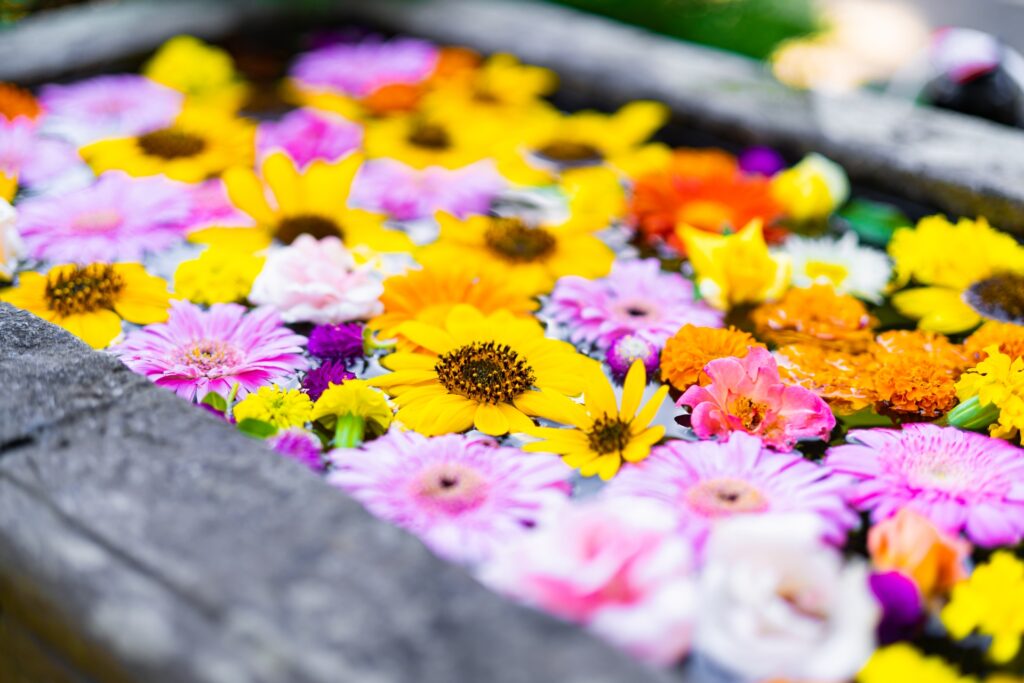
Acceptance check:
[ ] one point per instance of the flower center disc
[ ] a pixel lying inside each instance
(486, 372)
(209, 356)
(452, 488)
(317, 226)
(171, 143)
(1000, 297)
(608, 435)
(430, 136)
(720, 497)
(103, 220)
(751, 414)
(513, 240)
(569, 152)
(83, 290)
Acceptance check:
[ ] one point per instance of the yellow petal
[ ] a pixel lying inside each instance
(938, 309)
(633, 389)
(647, 413)
(517, 421)
(427, 336)
(97, 329)
(242, 239)
(552, 406)
(490, 420)
(283, 178)
(246, 192)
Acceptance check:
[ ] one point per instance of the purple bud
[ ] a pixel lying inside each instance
(319, 379)
(761, 161)
(630, 347)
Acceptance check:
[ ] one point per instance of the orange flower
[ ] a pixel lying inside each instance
(833, 375)
(909, 388)
(15, 102)
(816, 315)
(691, 348)
(931, 347)
(1009, 338)
(910, 544)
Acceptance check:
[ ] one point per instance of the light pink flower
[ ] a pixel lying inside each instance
(408, 193)
(211, 207)
(747, 395)
(307, 135)
(620, 570)
(32, 158)
(464, 497)
(357, 69)
(318, 281)
(197, 352)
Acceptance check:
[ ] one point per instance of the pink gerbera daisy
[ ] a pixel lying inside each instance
(464, 497)
(307, 135)
(197, 352)
(118, 218)
(31, 158)
(408, 193)
(637, 297)
(707, 480)
(357, 69)
(959, 480)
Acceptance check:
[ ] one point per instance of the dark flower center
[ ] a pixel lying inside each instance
(83, 290)
(430, 136)
(486, 372)
(513, 240)
(209, 356)
(317, 226)
(452, 487)
(569, 152)
(171, 143)
(610, 434)
(1000, 297)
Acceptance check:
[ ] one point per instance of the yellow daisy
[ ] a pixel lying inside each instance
(493, 372)
(201, 143)
(313, 202)
(420, 140)
(604, 434)
(90, 301)
(206, 74)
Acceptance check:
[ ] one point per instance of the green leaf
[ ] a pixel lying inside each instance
(217, 402)
(256, 428)
(873, 222)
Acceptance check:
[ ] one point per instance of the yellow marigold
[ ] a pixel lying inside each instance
(691, 348)
(991, 602)
(282, 408)
(901, 663)
(1007, 336)
(206, 74)
(356, 398)
(816, 315)
(997, 381)
(835, 376)
(218, 275)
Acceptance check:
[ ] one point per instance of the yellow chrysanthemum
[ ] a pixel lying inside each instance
(90, 301)
(997, 381)
(969, 270)
(604, 434)
(990, 601)
(206, 74)
(902, 663)
(283, 408)
(218, 275)
(736, 268)
(493, 372)
(353, 397)
(420, 140)
(201, 143)
(313, 202)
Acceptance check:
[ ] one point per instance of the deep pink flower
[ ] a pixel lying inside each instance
(307, 135)
(703, 481)
(408, 193)
(747, 395)
(299, 445)
(463, 497)
(211, 207)
(32, 158)
(197, 352)
(620, 570)
(636, 297)
(959, 480)
(118, 218)
(357, 69)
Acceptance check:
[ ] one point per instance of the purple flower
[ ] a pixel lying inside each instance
(636, 297)
(319, 379)
(901, 605)
(357, 69)
(407, 193)
(300, 445)
(630, 347)
(761, 161)
(307, 135)
(959, 480)
(343, 341)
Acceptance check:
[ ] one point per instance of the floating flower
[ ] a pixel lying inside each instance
(423, 141)
(358, 69)
(737, 268)
(204, 73)
(705, 481)
(902, 662)
(902, 606)
(463, 497)
(198, 352)
(219, 275)
(17, 103)
(690, 349)
(1008, 337)
(990, 602)
(319, 281)
(212, 207)
(117, 218)
(352, 408)
(307, 135)
(115, 106)
(343, 342)
(11, 247)
(605, 434)
(619, 571)
(747, 395)
(841, 263)
(299, 445)
(282, 408)
(992, 395)
(911, 544)
(812, 189)
(628, 348)
(493, 372)
(775, 601)
(89, 301)
(636, 297)
(319, 379)
(816, 315)
(763, 161)
(913, 374)
(844, 380)
(958, 480)
(30, 160)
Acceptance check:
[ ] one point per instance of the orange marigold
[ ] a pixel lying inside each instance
(832, 375)
(1008, 336)
(691, 348)
(15, 102)
(908, 388)
(930, 347)
(816, 315)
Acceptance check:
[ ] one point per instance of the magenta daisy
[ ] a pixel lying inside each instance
(197, 352)
(707, 480)
(959, 480)
(463, 497)
(307, 135)
(108, 107)
(407, 193)
(357, 69)
(636, 297)
(118, 218)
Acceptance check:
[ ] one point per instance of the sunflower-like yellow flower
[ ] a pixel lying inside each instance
(283, 408)
(206, 74)
(990, 601)
(313, 202)
(90, 301)
(812, 189)
(218, 275)
(736, 268)
(992, 392)
(421, 140)
(201, 143)
(901, 663)
(605, 434)
(969, 270)
(493, 372)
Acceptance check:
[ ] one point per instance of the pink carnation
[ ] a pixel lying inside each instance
(318, 281)
(408, 193)
(307, 135)
(620, 570)
(357, 69)
(747, 395)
